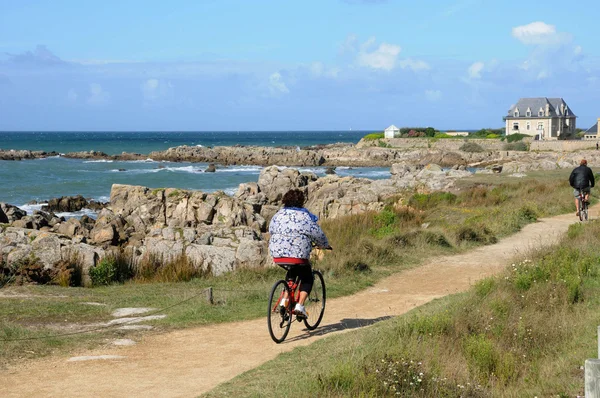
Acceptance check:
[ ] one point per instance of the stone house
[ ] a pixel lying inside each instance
(592, 132)
(391, 132)
(542, 118)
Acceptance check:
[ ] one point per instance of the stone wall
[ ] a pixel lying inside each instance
(562, 146)
(453, 144)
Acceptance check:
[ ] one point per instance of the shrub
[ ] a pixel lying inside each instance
(373, 136)
(111, 269)
(424, 201)
(516, 146)
(471, 147)
(154, 268)
(516, 137)
(475, 233)
(67, 273)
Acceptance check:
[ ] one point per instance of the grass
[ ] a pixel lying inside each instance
(368, 247)
(526, 332)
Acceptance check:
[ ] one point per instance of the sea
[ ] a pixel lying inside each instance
(27, 181)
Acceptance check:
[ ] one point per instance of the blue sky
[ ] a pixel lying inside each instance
(291, 65)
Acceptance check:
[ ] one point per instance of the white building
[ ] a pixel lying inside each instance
(391, 132)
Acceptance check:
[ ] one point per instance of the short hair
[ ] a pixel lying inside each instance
(293, 198)
(583, 162)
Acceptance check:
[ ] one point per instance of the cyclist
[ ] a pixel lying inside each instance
(582, 178)
(294, 231)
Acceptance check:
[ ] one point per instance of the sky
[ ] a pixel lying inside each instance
(291, 65)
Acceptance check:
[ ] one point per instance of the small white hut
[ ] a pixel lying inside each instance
(391, 132)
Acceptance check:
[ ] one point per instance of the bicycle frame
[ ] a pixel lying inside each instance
(294, 295)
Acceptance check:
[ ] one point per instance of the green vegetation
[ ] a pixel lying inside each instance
(369, 246)
(373, 136)
(488, 133)
(110, 270)
(516, 146)
(516, 137)
(471, 147)
(523, 333)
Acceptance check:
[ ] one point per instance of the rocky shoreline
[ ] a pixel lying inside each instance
(331, 155)
(218, 233)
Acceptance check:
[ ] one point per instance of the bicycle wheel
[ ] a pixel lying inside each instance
(580, 209)
(279, 319)
(315, 303)
(585, 211)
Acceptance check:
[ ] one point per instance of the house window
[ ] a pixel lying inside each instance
(528, 114)
(540, 126)
(516, 114)
(516, 126)
(528, 126)
(541, 113)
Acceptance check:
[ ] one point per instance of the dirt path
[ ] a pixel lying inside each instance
(189, 362)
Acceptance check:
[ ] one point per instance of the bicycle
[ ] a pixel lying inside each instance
(279, 318)
(583, 206)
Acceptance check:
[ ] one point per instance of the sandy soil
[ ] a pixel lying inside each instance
(189, 362)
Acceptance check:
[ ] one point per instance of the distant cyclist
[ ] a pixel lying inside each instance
(294, 231)
(582, 178)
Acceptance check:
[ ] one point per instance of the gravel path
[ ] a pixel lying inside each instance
(189, 362)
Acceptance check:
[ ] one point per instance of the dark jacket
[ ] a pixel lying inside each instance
(582, 177)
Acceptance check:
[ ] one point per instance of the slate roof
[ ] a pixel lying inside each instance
(535, 104)
(592, 130)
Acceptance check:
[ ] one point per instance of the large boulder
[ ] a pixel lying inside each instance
(12, 213)
(66, 204)
(274, 182)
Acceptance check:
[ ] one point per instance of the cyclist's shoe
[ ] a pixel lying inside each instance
(300, 311)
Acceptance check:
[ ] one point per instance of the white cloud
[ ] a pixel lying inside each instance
(318, 69)
(380, 57)
(98, 96)
(153, 89)
(414, 64)
(539, 33)
(384, 57)
(277, 85)
(72, 95)
(433, 95)
(475, 70)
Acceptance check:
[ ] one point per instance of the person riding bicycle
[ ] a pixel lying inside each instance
(294, 231)
(582, 178)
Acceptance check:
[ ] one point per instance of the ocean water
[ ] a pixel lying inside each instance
(115, 142)
(42, 179)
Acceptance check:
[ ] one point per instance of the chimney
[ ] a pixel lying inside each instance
(547, 109)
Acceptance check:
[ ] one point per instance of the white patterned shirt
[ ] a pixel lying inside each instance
(293, 230)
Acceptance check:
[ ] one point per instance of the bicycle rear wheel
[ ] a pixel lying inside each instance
(585, 211)
(279, 319)
(315, 303)
(580, 208)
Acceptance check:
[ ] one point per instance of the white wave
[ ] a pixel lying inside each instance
(185, 169)
(200, 145)
(98, 161)
(236, 169)
(78, 214)
(31, 208)
(230, 191)
(148, 160)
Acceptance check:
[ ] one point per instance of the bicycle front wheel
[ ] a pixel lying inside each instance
(315, 303)
(279, 318)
